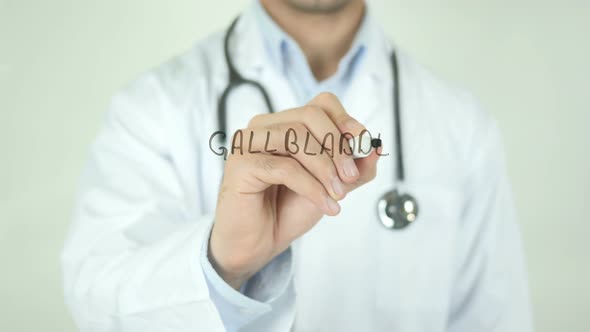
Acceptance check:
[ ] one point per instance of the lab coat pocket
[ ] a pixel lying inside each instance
(415, 262)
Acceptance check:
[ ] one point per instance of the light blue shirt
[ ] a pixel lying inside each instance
(288, 58)
(257, 295)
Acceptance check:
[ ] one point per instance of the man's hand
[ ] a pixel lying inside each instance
(268, 200)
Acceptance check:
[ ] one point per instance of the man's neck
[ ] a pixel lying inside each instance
(324, 38)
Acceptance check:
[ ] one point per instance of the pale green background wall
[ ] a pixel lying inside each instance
(61, 60)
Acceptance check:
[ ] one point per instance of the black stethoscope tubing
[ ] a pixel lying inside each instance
(395, 210)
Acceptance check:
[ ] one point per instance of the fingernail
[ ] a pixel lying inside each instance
(337, 187)
(333, 206)
(349, 168)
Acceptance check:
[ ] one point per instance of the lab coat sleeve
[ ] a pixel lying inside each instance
(490, 285)
(132, 260)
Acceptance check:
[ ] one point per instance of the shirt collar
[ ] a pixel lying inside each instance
(247, 46)
(281, 48)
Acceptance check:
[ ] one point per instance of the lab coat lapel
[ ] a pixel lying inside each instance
(368, 98)
(252, 62)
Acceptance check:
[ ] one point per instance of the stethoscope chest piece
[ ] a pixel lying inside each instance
(397, 211)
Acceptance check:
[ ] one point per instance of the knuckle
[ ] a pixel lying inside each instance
(248, 131)
(273, 127)
(311, 112)
(299, 128)
(327, 96)
(256, 120)
(346, 121)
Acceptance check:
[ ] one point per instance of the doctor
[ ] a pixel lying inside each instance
(287, 241)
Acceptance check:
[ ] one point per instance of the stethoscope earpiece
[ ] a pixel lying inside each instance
(397, 211)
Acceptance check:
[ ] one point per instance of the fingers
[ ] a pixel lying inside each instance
(335, 169)
(345, 123)
(295, 140)
(320, 125)
(368, 169)
(334, 109)
(260, 171)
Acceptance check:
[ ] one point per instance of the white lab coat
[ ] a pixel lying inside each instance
(148, 194)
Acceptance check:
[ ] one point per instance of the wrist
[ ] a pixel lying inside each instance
(232, 268)
(232, 278)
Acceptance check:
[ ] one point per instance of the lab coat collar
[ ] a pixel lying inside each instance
(247, 45)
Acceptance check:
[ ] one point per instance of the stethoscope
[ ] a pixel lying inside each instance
(395, 210)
